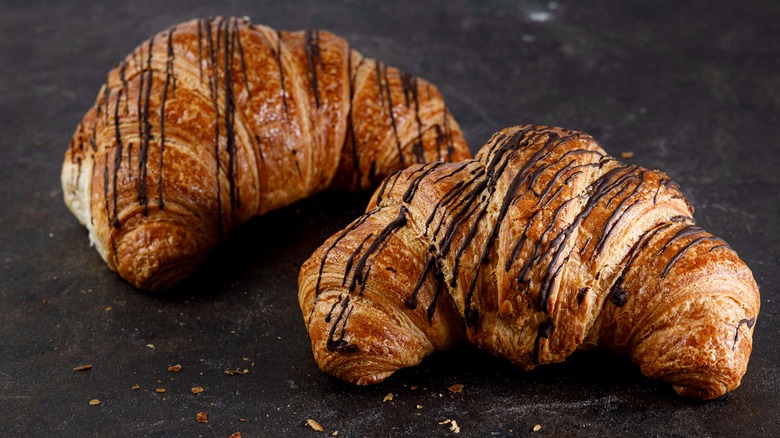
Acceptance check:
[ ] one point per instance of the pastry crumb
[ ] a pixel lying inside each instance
(174, 368)
(314, 425)
(235, 435)
(94, 402)
(453, 425)
(456, 388)
(85, 367)
(388, 397)
(236, 372)
(150, 346)
(197, 389)
(135, 387)
(627, 154)
(160, 390)
(202, 417)
(537, 427)
(413, 387)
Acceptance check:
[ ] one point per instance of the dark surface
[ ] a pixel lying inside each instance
(691, 87)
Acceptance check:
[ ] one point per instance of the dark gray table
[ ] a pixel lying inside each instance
(691, 87)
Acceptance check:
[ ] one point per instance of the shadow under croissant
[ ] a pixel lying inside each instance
(598, 376)
(266, 245)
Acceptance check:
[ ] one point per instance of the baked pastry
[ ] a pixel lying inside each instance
(540, 246)
(215, 121)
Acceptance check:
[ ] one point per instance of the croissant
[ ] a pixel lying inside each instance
(215, 121)
(540, 246)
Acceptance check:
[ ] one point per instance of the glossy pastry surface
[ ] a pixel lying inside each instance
(215, 121)
(540, 246)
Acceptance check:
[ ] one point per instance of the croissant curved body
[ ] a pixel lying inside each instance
(540, 246)
(215, 121)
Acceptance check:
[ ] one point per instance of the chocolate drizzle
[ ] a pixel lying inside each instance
(543, 332)
(352, 256)
(360, 276)
(213, 90)
(352, 138)
(312, 41)
(409, 86)
(385, 96)
(237, 37)
(745, 321)
(117, 161)
(221, 83)
(230, 35)
(145, 128)
(356, 223)
(335, 343)
(170, 81)
(685, 248)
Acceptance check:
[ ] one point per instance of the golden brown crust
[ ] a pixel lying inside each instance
(215, 121)
(540, 246)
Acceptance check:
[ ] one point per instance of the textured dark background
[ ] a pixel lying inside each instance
(690, 87)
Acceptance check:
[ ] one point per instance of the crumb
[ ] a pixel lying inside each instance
(109, 308)
(388, 397)
(453, 425)
(236, 372)
(159, 382)
(197, 389)
(160, 390)
(85, 367)
(150, 346)
(456, 388)
(413, 387)
(242, 420)
(627, 154)
(335, 433)
(44, 301)
(135, 387)
(314, 425)
(537, 428)
(419, 406)
(94, 402)
(202, 417)
(174, 368)
(235, 435)
(246, 359)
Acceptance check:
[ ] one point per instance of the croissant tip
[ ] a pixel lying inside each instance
(372, 379)
(700, 393)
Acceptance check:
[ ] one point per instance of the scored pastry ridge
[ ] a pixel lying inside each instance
(215, 121)
(540, 246)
